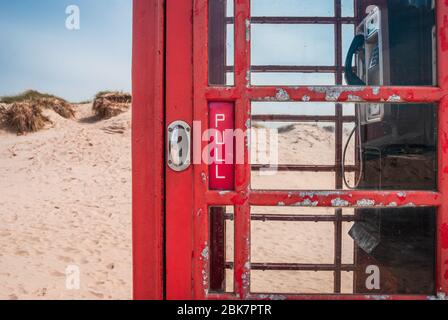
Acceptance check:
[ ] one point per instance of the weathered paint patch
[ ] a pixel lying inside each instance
(365, 203)
(394, 98)
(305, 194)
(205, 253)
(441, 296)
(306, 98)
(376, 90)
(377, 297)
(401, 195)
(354, 98)
(282, 95)
(272, 297)
(307, 203)
(247, 30)
(334, 93)
(338, 202)
(392, 204)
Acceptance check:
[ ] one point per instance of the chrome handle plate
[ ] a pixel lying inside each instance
(179, 146)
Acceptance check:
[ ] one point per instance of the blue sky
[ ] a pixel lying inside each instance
(38, 52)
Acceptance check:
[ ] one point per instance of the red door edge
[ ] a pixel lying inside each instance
(148, 149)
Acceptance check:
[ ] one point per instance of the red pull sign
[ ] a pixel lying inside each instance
(222, 124)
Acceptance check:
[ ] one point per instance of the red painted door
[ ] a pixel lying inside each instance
(227, 70)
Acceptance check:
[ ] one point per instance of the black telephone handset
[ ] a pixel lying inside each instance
(350, 77)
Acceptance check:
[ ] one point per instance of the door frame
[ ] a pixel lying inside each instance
(181, 228)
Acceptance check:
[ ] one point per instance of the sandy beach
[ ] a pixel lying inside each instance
(65, 199)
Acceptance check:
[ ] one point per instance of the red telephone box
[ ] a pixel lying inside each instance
(194, 70)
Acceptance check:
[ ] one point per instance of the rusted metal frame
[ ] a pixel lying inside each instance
(338, 148)
(201, 250)
(301, 118)
(294, 217)
(296, 20)
(242, 171)
(442, 215)
(296, 267)
(302, 168)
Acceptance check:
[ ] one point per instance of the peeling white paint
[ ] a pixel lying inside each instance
(205, 253)
(394, 98)
(365, 203)
(272, 297)
(354, 98)
(376, 90)
(306, 203)
(281, 204)
(441, 296)
(306, 98)
(401, 194)
(282, 95)
(392, 204)
(333, 93)
(378, 297)
(223, 193)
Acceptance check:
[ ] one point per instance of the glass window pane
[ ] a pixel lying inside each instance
(296, 146)
(397, 246)
(314, 244)
(347, 7)
(220, 43)
(221, 244)
(291, 79)
(383, 251)
(295, 282)
(292, 8)
(348, 32)
(292, 44)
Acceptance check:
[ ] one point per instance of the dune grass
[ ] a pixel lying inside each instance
(24, 117)
(44, 100)
(108, 104)
(29, 95)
